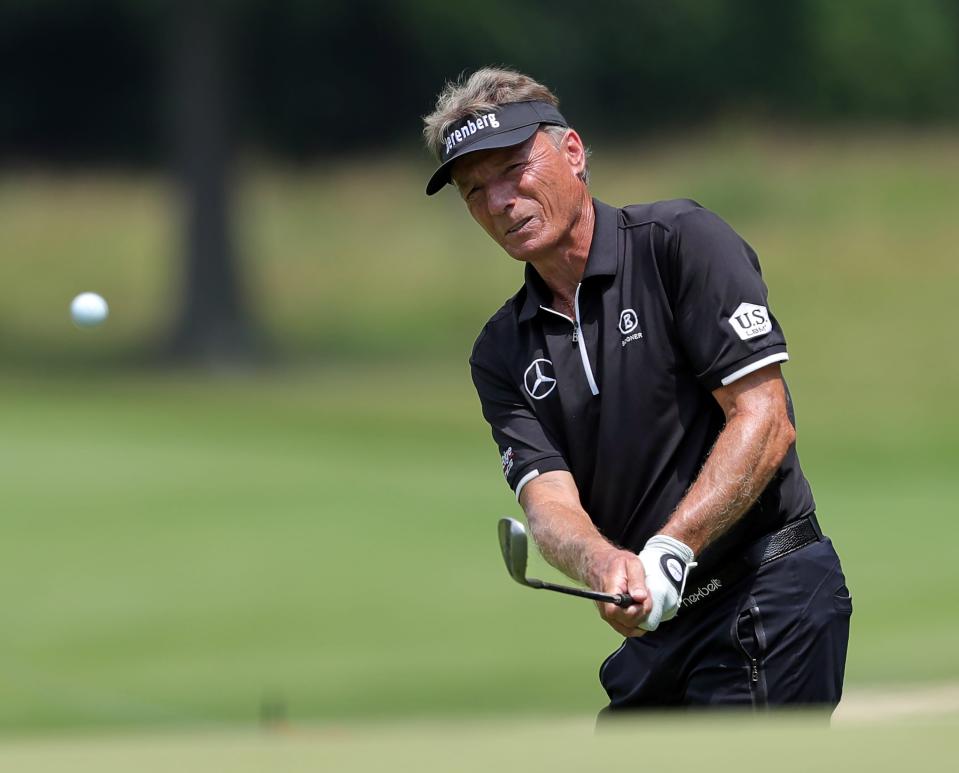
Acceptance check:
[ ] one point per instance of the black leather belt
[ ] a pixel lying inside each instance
(790, 538)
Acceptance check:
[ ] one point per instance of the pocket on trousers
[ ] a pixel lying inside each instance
(750, 637)
(842, 600)
(629, 675)
(606, 664)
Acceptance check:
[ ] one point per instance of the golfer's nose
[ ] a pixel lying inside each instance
(500, 197)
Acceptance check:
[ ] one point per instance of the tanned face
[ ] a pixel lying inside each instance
(527, 197)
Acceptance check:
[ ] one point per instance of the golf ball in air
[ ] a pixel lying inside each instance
(88, 310)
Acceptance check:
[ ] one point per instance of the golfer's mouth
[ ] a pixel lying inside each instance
(519, 226)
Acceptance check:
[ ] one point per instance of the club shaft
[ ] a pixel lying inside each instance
(619, 599)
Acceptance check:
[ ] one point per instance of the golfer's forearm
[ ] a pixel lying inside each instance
(566, 537)
(746, 455)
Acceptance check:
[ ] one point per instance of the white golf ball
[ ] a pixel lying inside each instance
(88, 310)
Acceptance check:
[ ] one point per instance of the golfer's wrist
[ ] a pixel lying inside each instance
(597, 561)
(693, 540)
(672, 545)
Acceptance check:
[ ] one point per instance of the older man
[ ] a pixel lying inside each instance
(633, 387)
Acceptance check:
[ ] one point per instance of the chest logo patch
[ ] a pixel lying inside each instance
(628, 321)
(750, 321)
(629, 326)
(539, 379)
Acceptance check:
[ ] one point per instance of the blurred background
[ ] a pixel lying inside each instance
(263, 490)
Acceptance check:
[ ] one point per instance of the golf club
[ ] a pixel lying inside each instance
(513, 543)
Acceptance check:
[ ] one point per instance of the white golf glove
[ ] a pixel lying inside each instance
(667, 562)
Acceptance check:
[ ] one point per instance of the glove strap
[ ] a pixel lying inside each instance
(681, 550)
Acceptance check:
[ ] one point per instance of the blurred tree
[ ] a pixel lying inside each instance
(77, 77)
(213, 325)
(78, 81)
(884, 58)
(308, 80)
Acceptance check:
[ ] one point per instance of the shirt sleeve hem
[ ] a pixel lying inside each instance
(536, 468)
(743, 367)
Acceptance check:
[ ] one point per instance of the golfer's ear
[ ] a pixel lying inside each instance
(575, 152)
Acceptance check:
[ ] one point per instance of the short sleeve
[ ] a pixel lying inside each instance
(720, 302)
(525, 448)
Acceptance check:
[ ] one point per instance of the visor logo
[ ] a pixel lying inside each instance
(538, 379)
(469, 128)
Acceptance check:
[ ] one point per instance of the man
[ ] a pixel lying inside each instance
(633, 386)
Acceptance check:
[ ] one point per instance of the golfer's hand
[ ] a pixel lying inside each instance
(619, 571)
(666, 563)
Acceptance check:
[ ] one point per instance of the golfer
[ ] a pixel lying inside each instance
(633, 387)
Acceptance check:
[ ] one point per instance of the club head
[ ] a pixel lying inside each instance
(513, 544)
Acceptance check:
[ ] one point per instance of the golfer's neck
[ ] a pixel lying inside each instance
(562, 269)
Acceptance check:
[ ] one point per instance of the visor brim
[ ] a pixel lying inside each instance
(502, 140)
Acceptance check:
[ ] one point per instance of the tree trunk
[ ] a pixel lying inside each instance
(213, 325)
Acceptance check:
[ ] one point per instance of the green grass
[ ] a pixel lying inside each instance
(181, 548)
(554, 745)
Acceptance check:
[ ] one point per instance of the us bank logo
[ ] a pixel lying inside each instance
(539, 378)
(750, 321)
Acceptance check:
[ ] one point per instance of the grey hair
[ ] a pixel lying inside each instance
(557, 134)
(484, 91)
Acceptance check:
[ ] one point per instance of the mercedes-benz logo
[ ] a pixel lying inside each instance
(538, 378)
(628, 321)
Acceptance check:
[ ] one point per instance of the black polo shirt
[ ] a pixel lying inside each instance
(671, 306)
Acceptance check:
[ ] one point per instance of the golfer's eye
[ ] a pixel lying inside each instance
(514, 167)
(472, 194)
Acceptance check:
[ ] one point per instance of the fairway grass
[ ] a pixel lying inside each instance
(784, 744)
(186, 550)
(318, 539)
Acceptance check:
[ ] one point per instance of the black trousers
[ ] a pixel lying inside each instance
(776, 637)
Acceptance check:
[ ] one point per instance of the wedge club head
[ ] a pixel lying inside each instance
(515, 547)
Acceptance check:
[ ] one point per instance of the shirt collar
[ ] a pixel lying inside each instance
(603, 259)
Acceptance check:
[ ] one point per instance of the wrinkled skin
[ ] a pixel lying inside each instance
(529, 197)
